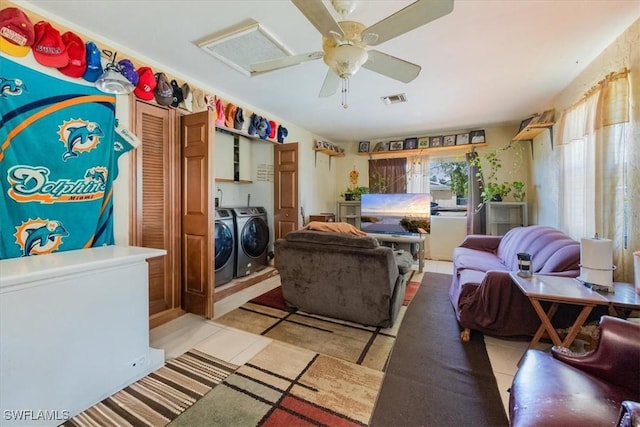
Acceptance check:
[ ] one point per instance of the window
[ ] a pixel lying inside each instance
(594, 182)
(578, 174)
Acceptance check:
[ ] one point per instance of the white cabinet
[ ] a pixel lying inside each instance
(75, 328)
(233, 157)
(349, 212)
(503, 216)
(447, 233)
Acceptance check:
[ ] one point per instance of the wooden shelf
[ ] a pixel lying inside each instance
(326, 151)
(330, 153)
(421, 151)
(535, 127)
(245, 134)
(241, 181)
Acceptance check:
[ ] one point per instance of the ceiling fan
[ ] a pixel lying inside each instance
(346, 44)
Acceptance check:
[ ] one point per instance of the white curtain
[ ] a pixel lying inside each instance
(577, 152)
(418, 174)
(598, 181)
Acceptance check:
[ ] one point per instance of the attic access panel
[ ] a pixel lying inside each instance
(244, 44)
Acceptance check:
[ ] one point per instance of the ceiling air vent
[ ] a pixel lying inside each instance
(394, 99)
(242, 45)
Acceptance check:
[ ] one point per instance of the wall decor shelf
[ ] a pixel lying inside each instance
(240, 181)
(534, 126)
(421, 151)
(328, 152)
(245, 134)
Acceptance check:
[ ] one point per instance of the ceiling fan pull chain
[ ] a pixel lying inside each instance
(345, 91)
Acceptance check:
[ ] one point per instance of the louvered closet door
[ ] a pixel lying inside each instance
(156, 222)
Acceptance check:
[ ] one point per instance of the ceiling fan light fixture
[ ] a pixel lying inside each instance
(345, 60)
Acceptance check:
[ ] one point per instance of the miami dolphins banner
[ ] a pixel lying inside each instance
(57, 161)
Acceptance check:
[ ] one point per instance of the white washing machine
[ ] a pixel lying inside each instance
(252, 240)
(225, 246)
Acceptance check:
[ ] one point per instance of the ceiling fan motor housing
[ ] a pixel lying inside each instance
(345, 55)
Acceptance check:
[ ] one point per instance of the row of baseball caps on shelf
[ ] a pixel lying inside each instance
(233, 117)
(75, 58)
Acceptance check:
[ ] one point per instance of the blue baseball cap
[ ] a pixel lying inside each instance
(254, 121)
(264, 128)
(94, 66)
(282, 133)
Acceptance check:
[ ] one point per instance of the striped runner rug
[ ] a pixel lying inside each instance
(161, 396)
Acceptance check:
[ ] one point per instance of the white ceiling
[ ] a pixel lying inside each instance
(488, 62)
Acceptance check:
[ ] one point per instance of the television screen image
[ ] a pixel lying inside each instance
(397, 213)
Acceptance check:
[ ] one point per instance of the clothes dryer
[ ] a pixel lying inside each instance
(225, 246)
(252, 240)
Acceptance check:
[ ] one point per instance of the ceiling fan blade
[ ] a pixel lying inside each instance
(391, 66)
(330, 85)
(413, 16)
(316, 12)
(287, 61)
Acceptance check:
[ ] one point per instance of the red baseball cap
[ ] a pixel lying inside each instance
(146, 84)
(274, 127)
(77, 55)
(49, 49)
(17, 32)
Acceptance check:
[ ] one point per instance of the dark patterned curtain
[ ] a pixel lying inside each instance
(388, 175)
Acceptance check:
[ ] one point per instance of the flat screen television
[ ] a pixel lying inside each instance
(396, 213)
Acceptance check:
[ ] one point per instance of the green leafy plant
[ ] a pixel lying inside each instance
(354, 193)
(518, 190)
(458, 173)
(488, 176)
(494, 192)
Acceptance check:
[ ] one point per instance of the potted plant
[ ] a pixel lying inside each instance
(354, 193)
(494, 191)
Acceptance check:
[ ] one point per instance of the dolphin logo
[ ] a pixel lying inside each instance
(42, 235)
(79, 135)
(96, 175)
(11, 87)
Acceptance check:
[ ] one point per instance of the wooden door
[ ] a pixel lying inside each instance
(154, 198)
(286, 204)
(198, 212)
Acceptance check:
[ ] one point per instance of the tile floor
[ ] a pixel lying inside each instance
(238, 347)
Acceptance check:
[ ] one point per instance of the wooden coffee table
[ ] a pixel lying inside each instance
(558, 290)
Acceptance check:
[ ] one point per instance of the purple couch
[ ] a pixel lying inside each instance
(482, 293)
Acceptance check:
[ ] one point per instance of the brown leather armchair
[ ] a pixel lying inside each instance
(578, 389)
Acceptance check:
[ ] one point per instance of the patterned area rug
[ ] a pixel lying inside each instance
(159, 397)
(317, 371)
(285, 385)
(267, 315)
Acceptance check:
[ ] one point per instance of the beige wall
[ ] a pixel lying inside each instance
(623, 52)
(317, 183)
(321, 184)
(497, 137)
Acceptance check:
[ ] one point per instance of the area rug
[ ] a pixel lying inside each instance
(285, 385)
(268, 315)
(433, 378)
(159, 397)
